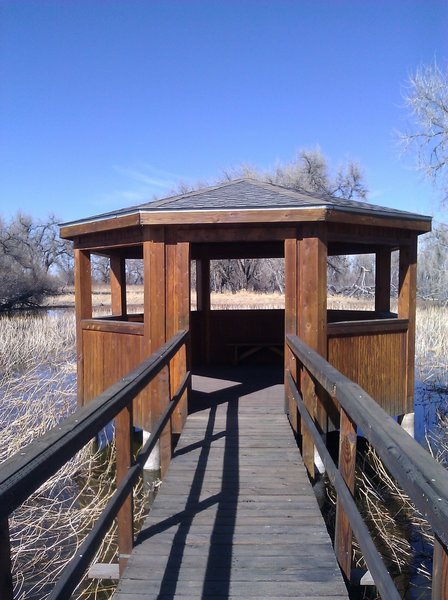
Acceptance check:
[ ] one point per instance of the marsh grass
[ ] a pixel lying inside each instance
(38, 389)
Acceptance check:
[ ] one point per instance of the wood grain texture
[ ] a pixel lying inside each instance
(125, 517)
(118, 285)
(382, 280)
(439, 572)
(347, 463)
(235, 516)
(83, 310)
(407, 302)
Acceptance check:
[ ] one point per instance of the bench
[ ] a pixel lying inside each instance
(242, 350)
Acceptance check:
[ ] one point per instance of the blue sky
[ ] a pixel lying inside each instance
(104, 104)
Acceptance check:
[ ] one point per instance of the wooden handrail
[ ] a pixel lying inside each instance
(22, 474)
(419, 475)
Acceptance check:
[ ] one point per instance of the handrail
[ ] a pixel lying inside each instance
(420, 476)
(22, 474)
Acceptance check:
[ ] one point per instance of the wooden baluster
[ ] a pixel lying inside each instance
(347, 462)
(6, 588)
(125, 517)
(439, 571)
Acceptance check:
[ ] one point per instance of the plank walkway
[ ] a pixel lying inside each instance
(235, 517)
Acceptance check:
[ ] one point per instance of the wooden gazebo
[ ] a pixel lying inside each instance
(247, 219)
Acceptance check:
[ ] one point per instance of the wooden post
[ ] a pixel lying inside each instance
(291, 299)
(382, 280)
(118, 285)
(125, 517)
(177, 317)
(347, 462)
(83, 310)
(203, 300)
(6, 587)
(407, 300)
(155, 334)
(312, 321)
(439, 571)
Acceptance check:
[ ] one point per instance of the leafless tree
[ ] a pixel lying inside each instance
(426, 98)
(32, 257)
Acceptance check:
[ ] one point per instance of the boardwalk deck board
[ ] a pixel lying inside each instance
(236, 516)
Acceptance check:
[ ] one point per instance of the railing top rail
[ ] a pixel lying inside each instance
(420, 476)
(21, 475)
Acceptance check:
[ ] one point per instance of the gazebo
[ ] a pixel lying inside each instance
(247, 219)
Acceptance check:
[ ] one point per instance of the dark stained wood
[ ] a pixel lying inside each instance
(21, 475)
(118, 285)
(291, 309)
(235, 516)
(419, 475)
(383, 580)
(407, 301)
(111, 326)
(6, 585)
(155, 303)
(178, 317)
(382, 280)
(125, 516)
(375, 361)
(347, 463)
(439, 571)
(83, 310)
(203, 306)
(312, 321)
(242, 249)
(368, 327)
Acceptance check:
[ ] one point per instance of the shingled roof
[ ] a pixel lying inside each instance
(246, 196)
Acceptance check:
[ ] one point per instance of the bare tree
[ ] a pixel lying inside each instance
(31, 259)
(426, 97)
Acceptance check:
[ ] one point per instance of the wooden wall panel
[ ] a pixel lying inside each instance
(108, 357)
(377, 363)
(233, 326)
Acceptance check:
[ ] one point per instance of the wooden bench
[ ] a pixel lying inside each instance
(242, 350)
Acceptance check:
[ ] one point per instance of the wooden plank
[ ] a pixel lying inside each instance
(347, 463)
(6, 585)
(118, 285)
(155, 308)
(312, 321)
(125, 327)
(407, 301)
(439, 571)
(83, 310)
(420, 476)
(235, 516)
(382, 280)
(291, 316)
(125, 517)
(368, 327)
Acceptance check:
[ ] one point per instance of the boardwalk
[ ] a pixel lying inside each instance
(236, 516)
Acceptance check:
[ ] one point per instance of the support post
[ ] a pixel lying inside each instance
(347, 462)
(6, 587)
(382, 280)
(203, 304)
(177, 317)
(83, 310)
(118, 285)
(407, 300)
(312, 322)
(155, 334)
(125, 517)
(291, 299)
(439, 571)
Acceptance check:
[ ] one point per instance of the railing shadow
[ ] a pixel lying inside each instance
(218, 549)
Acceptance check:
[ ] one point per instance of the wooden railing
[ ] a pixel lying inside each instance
(22, 474)
(419, 475)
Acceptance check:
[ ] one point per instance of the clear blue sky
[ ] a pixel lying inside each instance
(105, 103)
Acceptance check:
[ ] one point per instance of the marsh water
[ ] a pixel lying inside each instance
(55, 384)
